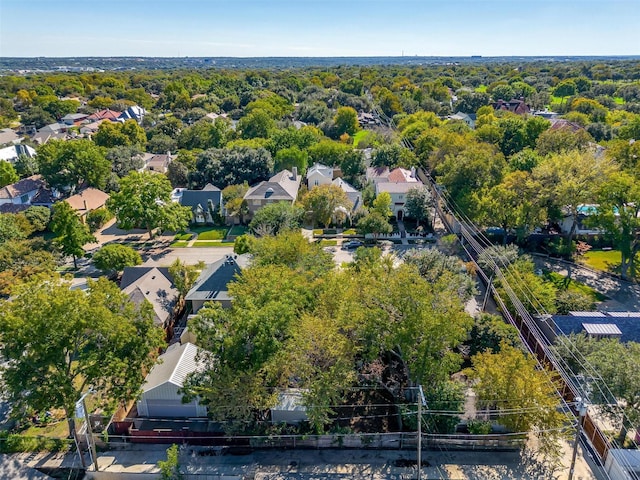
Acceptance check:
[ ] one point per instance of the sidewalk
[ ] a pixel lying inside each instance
(325, 463)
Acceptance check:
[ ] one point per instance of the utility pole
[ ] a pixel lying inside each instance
(421, 401)
(582, 411)
(81, 411)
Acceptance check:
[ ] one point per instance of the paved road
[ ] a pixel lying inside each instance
(326, 463)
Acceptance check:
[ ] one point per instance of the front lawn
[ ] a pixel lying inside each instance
(328, 243)
(183, 236)
(179, 244)
(210, 233)
(208, 243)
(358, 137)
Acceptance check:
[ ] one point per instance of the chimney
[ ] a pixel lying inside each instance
(413, 172)
(295, 173)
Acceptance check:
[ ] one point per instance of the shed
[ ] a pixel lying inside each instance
(290, 408)
(161, 395)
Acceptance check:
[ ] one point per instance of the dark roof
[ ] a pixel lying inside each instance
(13, 207)
(627, 322)
(213, 281)
(132, 274)
(514, 105)
(193, 198)
(43, 197)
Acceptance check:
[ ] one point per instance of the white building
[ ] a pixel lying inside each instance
(318, 175)
(161, 395)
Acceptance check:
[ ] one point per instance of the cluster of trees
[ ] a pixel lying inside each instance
(297, 322)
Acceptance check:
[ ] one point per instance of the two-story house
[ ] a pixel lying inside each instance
(282, 187)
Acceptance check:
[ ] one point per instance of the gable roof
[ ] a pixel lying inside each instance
(11, 153)
(133, 274)
(282, 186)
(193, 198)
(7, 135)
(87, 200)
(105, 114)
(514, 105)
(155, 287)
(353, 195)
(22, 187)
(320, 169)
(213, 281)
(173, 366)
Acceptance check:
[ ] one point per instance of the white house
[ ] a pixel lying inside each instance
(11, 154)
(398, 193)
(161, 395)
(318, 175)
(23, 191)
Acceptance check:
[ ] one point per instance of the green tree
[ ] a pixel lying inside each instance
(26, 166)
(185, 276)
(392, 156)
(144, 200)
(112, 134)
(114, 257)
(10, 228)
(346, 121)
(617, 366)
(243, 244)
(256, 124)
(375, 224)
(234, 202)
(277, 217)
(382, 205)
(570, 180)
(287, 158)
(22, 259)
(170, 468)
(39, 217)
(97, 218)
(418, 205)
(490, 332)
(618, 215)
(512, 390)
(565, 89)
(321, 203)
(71, 233)
(73, 163)
(8, 174)
(60, 341)
(124, 159)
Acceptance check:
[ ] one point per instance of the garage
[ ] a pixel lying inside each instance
(161, 396)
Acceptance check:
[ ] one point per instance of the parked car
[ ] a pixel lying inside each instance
(352, 244)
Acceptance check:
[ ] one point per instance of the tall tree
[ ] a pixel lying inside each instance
(275, 218)
(72, 164)
(144, 200)
(418, 204)
(321, 202)
(570, 180)
(59, 342)
(114, 257)
(618, 215)
(71, 233)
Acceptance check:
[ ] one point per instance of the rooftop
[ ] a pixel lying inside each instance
(21, 187)
(213, 281)
(173, 366)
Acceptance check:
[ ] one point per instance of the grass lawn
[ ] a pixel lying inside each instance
(359, 136)
(317, 232)
(619, 100)
(59, 429)
(183, 236)
(208, 243)
(210, 233)
(561, 283)
(350, 231)
(179, 244)
(606, 260)
(328, 243)
(238, 230)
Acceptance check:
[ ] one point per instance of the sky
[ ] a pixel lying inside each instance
(312, 28)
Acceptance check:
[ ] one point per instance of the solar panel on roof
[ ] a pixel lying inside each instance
(586, 314)
(601, 329)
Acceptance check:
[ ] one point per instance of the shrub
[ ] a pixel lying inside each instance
(115, 257)
(96, 219)
(479, 427)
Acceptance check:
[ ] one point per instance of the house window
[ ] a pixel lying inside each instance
(316, 183)
(399, 197)
(24, 198)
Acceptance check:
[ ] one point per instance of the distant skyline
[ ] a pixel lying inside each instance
(256, 28)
